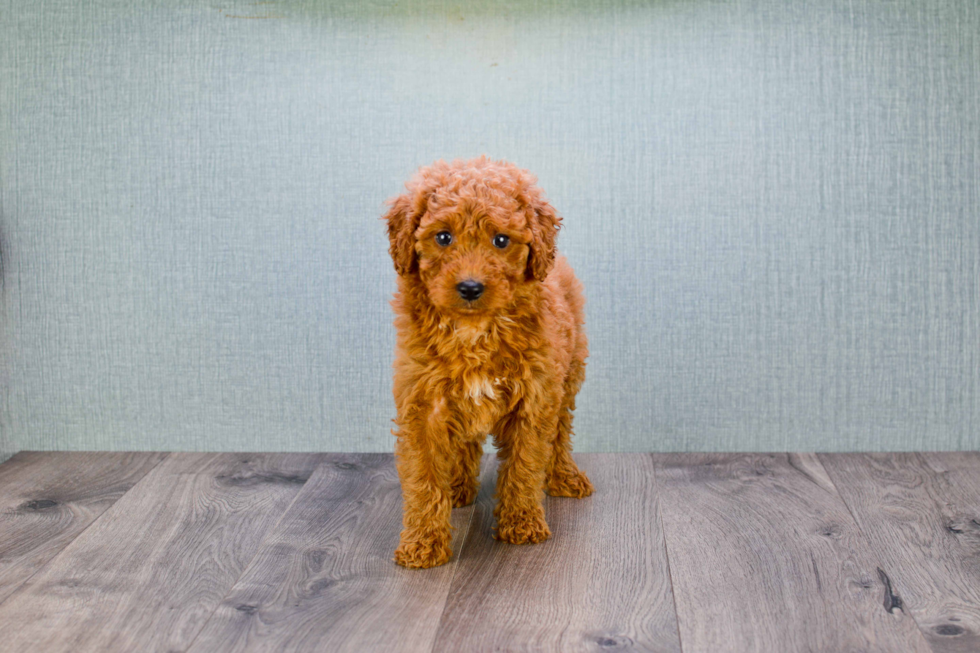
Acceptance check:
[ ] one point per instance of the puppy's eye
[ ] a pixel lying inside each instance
(444, 238)
(500, 241)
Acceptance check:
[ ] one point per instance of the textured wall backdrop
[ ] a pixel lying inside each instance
(774, 205)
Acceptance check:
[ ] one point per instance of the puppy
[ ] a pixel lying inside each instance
(491, 339)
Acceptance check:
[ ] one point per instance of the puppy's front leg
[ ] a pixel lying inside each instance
(424, 464)
(524, 452)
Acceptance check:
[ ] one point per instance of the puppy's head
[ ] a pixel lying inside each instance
(474, 232)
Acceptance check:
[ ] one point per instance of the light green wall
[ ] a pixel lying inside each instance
(774, 207)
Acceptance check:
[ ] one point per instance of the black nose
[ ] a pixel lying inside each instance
(469, 289)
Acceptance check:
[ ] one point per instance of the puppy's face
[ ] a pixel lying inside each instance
(471, 255)
(473, 233)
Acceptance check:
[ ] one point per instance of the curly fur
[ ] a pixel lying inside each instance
(509, 363)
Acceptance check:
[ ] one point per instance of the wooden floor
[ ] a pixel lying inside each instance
(292, 552)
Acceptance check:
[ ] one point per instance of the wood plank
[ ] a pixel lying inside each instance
(600, 583)
(148, 574)
(765, 556)
(325, 579)
(47, 498)
(921, 513)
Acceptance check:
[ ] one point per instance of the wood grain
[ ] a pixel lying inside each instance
(240, 552)
(149, 572)
(48, 498)
(765, 556)
(599, 584)
(325, 579)
(921, 513)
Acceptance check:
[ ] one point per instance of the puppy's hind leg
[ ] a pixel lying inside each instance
(563, 477)
(466, 471)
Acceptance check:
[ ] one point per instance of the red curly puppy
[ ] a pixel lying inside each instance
(490, 340)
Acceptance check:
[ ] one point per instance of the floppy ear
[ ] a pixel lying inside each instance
(403, 220)
(544, 222)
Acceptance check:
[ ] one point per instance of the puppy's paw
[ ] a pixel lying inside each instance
(522, 528)
(576, 485)
(464, 495)
(423, 553)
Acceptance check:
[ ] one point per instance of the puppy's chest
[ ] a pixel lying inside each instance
(485, 371)
(481, 398)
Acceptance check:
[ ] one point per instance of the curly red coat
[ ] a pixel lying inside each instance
(509, 362)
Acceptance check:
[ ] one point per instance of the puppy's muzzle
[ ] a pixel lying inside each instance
(469, 290)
